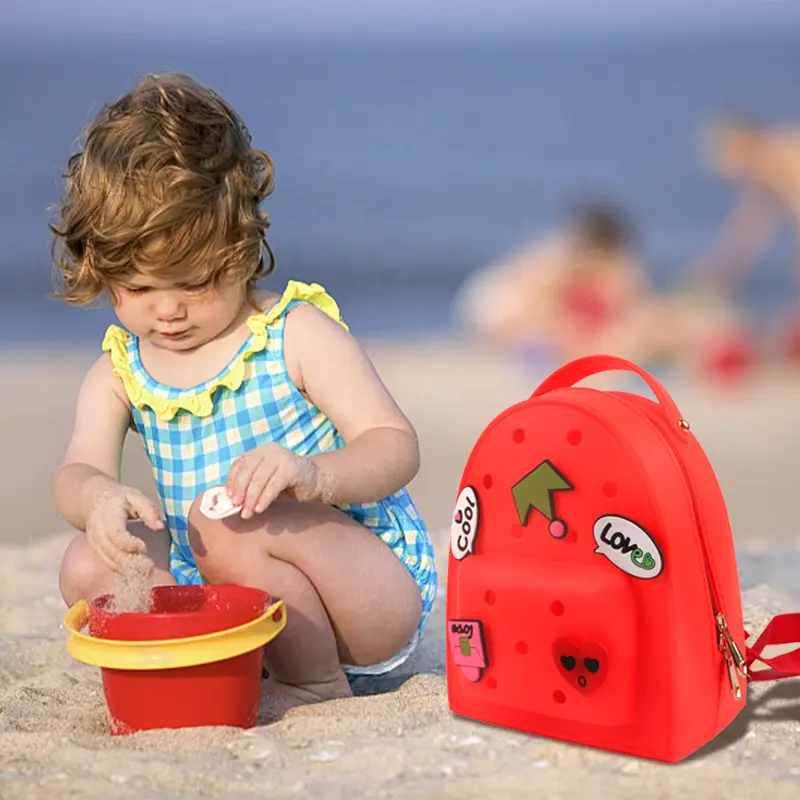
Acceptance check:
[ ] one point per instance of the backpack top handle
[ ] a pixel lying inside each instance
(575, 371)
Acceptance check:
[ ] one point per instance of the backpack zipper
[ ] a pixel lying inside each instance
(734, 660)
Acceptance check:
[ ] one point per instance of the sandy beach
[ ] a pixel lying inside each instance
(396, 737)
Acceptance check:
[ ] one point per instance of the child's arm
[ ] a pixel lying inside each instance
(381, 454)
(90, 470)
(331, 368)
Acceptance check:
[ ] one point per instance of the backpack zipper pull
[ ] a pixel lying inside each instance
(733, 657)
(736, 689)
(736, 653)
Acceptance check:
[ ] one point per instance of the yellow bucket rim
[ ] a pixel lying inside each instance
(154, 654)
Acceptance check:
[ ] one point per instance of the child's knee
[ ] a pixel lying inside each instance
(210, 541)
(82, 575)
(233, 551)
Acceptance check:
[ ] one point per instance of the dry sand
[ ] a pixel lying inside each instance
(397, 737)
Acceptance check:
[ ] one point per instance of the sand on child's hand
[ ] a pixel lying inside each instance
(133, 590)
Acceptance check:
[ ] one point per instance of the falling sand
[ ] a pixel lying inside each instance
(133, 591)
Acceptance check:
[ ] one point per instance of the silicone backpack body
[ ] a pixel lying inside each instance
(593, 593)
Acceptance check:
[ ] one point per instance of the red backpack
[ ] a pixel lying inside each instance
(592, 591)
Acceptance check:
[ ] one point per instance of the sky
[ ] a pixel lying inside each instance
(22, 19)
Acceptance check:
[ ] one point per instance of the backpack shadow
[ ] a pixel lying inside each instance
(779, 703)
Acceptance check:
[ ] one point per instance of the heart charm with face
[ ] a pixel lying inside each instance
(584, 665)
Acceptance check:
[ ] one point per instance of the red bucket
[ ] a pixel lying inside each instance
(223, 692)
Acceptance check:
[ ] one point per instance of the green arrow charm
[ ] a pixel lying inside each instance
(535, 490)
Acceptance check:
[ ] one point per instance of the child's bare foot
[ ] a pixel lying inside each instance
(277, 697)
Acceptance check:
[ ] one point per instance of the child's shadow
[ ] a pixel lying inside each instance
(427, 660)
(370, 685)
(786, 693)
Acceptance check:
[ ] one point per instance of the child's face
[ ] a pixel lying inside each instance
(177, 316)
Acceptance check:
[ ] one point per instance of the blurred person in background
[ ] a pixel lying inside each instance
(765, 163)
(584, 290)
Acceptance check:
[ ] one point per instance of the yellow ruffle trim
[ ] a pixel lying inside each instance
(201, 404)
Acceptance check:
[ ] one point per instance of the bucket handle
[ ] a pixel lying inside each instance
(134, 654)
(575, 371)
(77, 617)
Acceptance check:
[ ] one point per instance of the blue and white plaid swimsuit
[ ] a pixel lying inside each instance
(192, 436)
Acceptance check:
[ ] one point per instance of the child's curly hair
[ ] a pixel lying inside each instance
(166, 184)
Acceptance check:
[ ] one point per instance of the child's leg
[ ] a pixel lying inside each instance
(350, 599)
(83, 576)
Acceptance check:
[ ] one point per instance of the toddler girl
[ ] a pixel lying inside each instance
(228, 384)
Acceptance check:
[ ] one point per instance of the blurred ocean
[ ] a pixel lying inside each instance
(401, 167)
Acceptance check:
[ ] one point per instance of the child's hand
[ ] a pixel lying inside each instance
(258, 477)
(106, 524)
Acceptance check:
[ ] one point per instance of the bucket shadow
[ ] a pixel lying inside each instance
(787, 697)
